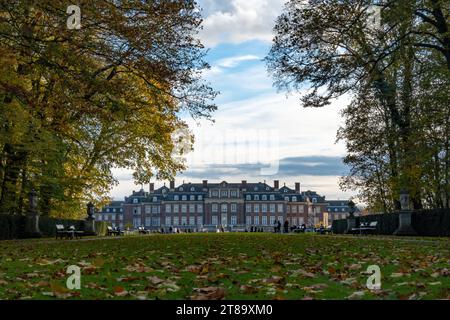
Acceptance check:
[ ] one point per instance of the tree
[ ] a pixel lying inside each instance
(77, 103)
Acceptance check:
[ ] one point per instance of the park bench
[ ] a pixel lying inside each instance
(61, 231)
(73, 233)
(114, 232)
(366, 228)
(142, 230)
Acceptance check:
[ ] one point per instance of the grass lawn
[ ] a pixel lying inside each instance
(229, 266)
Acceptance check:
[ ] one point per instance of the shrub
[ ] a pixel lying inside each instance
(101, 228)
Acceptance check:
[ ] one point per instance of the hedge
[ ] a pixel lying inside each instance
(435, 222)
(13, 226)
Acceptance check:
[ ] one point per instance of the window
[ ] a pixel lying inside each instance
(224, 193)
(294, 209)
(294, 221)
(286, 199)
(215, 193)
(155, 199)
(199, 221)
(168, 208)
(136, 222)
(192, 198)
(176, 197)
(248, 220)
(99, 217)
(135, 200)
(272, 197)
(264, 220)
(317, 210)
(148, 222)
(192, 221)
(294, 199)
(192, 208)
(272, 207)
(176, 208)
(343, 209)
(233, 193)
(301, 209)
(288, 209)
(233, 207)
(200, 208)
(256, 220)
(214, 220)
(280, 207)
(264, 207)
(316, 220)
(121, 225)
(183, 198)
(248, 197)
(272, 220)
(156, 221)
(280, 218)
(248, 207)
(256, 197)
(192, 189)
(148, 209)
(137, 210)
(224, 207)
(183, 220)
(113, 217)
(314, 200)
(215, 207)
(256, 207)
(121, 217)
(233, 220)
(264, 197)
(176, 221)
(181, 189)
(155, 209)
(168, 221)
(200, 197)
(183, 208)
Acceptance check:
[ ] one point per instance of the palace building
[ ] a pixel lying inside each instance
(207, 206)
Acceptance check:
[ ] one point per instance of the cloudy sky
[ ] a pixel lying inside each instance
(259, 134)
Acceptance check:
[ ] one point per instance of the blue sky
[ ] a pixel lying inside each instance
(259, 134)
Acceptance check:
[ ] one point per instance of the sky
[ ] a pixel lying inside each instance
(259, 134)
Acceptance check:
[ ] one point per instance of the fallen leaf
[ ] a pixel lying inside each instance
(208, 293)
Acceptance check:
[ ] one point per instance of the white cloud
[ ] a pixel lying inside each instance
(238, 21)
(232, 62)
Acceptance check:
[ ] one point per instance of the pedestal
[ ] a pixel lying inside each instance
(32, 226)
(405, 227)
(89, 226)
(351, 223)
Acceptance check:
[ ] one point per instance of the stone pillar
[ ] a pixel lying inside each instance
(89, 224)
(351, 220)
(32, 219)
(405, 226)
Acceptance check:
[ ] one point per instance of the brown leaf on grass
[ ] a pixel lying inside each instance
(248, 289)
(120, 291)
(127, 279)
(99, 262)
(155, 280)
(208, 293)
(274, 279)
(356, 295)
(303, 273)
(61, 292)
(355, 266)
(3, 282)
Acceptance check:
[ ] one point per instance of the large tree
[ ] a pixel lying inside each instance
(326, 49)
(76, 103)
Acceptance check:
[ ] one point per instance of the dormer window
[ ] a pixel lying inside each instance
(155, 199)
(248, 197)
(135, 200)
(256, 197)
(285, 190)
(272, 197)
(192, 189)
(294, 199)
(183, 198)
(192, 198)
(267, 188)
(181, 189)
(314, 200)
(264, 197)
(176, 198)
(286, 198)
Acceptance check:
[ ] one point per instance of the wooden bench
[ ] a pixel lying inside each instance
(73, 233)
(113, 232)
(366, 228)
(61, 231)
(142, 230)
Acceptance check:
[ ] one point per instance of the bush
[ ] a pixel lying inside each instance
(101, 228)
(435, 222)
(12, 226)
(47, 225)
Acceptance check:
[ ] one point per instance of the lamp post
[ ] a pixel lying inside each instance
(405, 227)
(89, 225)
(351, 220)
(32, 223)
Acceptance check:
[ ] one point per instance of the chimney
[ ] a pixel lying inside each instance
(152, 187)
(276, 185)
(244, 185)
(297, 187)
(205, 184)
(172, 185)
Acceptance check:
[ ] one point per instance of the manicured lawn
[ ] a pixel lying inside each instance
(229, 266)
